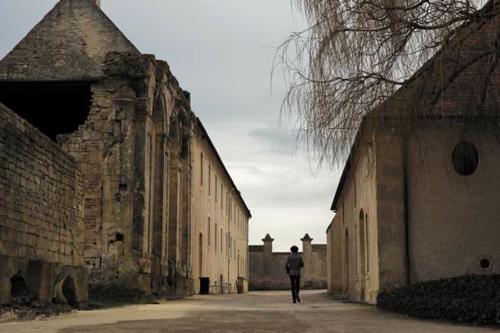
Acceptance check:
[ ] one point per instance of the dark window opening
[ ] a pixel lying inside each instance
(465, 158)
(19, 291)
(52, 107)
(484, 263)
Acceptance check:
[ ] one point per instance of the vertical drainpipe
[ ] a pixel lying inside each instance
(406, 208)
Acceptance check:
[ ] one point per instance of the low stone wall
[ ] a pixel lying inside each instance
(41, 217)
(267, 268)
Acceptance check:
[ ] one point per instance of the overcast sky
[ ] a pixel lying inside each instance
(222, 52)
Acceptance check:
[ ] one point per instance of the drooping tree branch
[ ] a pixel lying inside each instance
(357, 53)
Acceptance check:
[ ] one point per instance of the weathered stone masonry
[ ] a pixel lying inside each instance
(41, 217)
(125, 120)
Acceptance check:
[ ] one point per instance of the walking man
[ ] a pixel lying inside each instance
(293, 266)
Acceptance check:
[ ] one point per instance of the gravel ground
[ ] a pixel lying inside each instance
(253, 312)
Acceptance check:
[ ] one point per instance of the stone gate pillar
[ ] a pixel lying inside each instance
(268, 252)
(308, 260)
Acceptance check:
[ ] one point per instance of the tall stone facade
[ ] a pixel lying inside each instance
(122, 116)
(267, 268)
(420, 202)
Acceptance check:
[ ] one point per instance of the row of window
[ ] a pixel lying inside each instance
(220, 194)
(220, 241)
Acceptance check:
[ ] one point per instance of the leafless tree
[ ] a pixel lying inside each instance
(356, 53)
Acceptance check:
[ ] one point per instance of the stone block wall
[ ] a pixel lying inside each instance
(41, 217)
(267, 268)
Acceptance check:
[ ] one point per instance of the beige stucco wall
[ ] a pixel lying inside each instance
(219, 242)
(334, 256)
(357, 229)
(453, 219)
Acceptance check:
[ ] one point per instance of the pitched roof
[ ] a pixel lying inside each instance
(70, 43)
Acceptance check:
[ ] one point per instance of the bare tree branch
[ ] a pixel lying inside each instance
(356, 53)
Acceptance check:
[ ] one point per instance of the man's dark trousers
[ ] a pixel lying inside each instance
(295, 281)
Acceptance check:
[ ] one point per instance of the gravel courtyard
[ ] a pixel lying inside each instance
(253, 312)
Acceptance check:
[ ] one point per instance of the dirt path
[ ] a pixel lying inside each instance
(254, 312)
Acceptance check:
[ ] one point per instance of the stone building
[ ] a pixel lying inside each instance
(128, 124)
(267, 268)
(418, 198)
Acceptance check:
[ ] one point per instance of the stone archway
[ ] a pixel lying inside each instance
(65, 291)
(68, 290)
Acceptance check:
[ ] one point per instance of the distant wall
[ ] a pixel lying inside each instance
(267, 268)
(41, 216)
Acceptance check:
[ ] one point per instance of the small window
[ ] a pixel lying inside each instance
(201, 169)
(209, 180)
(209, 230)
(216, 188)
(465, 158)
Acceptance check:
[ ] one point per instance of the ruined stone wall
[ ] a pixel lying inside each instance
(130, 133)
(102, 147)
(133, 152)
(267, 268)
(41, 213)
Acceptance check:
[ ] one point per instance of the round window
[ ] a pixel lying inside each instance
(465, 158)
(484, 263)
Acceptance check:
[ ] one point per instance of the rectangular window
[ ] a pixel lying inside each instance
(215, 231)
(221, 240)
(209, 230)
(209, 179)
(201, 169)
(216, 188)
